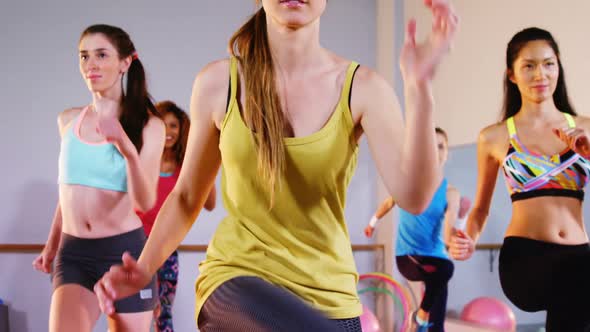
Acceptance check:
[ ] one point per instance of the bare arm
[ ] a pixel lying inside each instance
(63, 120)
(183, 204)
(211, 199)
(143, 168)
(487, 173)
(453, 198)
(44, 260)
(199, 169)
(382, 210)
(462, 244)
(55, 231)
(405, 152)
(405, 156)
(385, 207)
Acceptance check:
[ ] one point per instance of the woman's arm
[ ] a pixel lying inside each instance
(405, 156)
(462, 244)
(44, 260)
(55, 232)
(382, 210)
(199, 169)
(385, 207)
(182, 206)
(63, 120)
(143, 168)
(211, 199)
(405, 151)
(453, 199)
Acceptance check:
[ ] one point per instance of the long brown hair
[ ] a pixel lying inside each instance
(512, 98)
(262, 109)
(137, 104)
(179, 148)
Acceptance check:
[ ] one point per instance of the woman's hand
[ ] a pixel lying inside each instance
(418, 62)
(44, 260)
(119, 282)
(576, 139)
(462, 245)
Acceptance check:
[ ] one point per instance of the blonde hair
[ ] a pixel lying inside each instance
(262, 109)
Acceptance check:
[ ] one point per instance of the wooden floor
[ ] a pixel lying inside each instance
(455, 325)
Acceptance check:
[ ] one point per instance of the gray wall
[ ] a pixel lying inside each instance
(40, 78)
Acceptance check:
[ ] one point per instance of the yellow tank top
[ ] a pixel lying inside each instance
(301, 244)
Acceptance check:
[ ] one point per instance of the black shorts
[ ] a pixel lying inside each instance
(84, 261)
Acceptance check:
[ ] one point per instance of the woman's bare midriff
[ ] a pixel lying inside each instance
(95, 213)
(550, 219)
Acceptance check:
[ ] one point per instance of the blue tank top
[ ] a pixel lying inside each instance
(421, 235)
(98, 165)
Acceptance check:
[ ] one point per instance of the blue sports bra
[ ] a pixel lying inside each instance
(98, 165)
(529, 174)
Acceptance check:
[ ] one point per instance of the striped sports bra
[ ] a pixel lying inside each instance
(529, 174)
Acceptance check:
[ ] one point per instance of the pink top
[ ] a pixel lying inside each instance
(166, 183)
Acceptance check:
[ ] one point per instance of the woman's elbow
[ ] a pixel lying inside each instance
(210, 204)
(145, 204)
(418, 194)
(416, 208)
(418, 202)
(211, 201)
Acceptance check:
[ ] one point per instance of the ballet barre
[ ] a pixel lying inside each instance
(33, 248)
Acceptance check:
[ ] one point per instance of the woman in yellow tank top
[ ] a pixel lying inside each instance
(281, 260)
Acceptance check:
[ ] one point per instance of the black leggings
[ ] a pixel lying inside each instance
(435, 273)
(537, 275)
(247, 304)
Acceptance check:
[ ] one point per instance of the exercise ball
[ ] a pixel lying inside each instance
(369, 322)
(489, 312)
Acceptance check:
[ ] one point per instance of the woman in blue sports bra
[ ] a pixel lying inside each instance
(420, 248)
(542, 148)
(109, 164)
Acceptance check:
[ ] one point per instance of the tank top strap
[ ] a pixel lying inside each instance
(570, 120)
(511, 126)
(233, 81)
(233, 89)
(346, 92)
(76, 123)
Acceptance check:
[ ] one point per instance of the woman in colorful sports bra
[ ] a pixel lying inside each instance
(283, 117)
(542, 148)
(108, 167)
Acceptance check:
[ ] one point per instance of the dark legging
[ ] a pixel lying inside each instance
(537, 275)
(247, 304)
(435, 273)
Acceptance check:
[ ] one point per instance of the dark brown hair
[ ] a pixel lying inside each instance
(512, 98)
(179, 147)
(136, 105)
